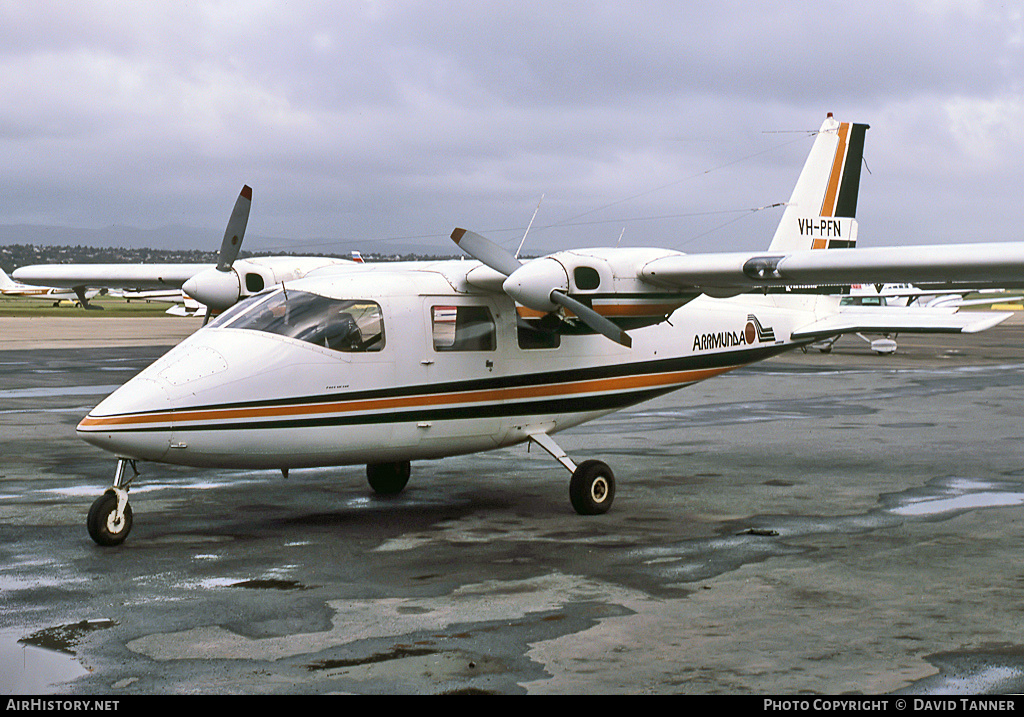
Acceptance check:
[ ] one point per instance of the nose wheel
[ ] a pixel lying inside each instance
(110, 517)
(109, 523)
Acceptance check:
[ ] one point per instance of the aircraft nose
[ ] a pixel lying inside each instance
(132, 422)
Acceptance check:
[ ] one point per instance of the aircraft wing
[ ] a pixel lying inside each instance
(961, 265)
(899, 320)
(111, 276)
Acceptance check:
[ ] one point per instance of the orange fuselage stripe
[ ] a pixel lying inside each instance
(612, 310)
(625, 383)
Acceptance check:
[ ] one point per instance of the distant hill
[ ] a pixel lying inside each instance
(186, 238)
(170, 237)
(13, 256)
(22, 244)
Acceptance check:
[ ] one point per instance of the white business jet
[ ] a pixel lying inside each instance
(384, 364)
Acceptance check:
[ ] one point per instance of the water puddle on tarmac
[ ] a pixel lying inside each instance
(39, 662)
(946, 496)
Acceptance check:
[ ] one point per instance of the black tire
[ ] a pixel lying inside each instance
(388, 478)
(101, 524)
(592, 488)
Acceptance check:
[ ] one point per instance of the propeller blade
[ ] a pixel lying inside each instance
(486, 251)
(593, 319)
(235, 230)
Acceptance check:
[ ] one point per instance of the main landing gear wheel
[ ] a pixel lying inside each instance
(592, 488)
(388, 478)
(106, 525)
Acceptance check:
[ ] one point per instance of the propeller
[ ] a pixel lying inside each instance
(541, 285)
(220, 288)
(592, 319)
(235, 230)
(486, 251)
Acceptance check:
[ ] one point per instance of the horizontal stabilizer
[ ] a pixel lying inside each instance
(899, 320)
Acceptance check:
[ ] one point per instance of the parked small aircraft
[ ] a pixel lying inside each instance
(900, 297)
(384, 364)
(17, 290)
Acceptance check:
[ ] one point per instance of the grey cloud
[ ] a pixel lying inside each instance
(365, 121)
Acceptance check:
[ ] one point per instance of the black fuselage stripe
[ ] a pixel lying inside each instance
(562, 405)
(722, 360)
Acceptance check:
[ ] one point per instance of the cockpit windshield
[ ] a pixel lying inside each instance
(349, 325)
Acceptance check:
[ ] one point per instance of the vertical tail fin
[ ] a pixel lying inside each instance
(5, 281)
(821, 211)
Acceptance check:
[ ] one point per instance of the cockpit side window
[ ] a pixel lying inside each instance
(348, 325)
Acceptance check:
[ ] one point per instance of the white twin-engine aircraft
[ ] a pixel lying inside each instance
(383, 364)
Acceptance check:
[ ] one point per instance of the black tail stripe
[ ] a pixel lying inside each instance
(846, 202)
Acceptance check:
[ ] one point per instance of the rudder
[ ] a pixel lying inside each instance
(820, 213)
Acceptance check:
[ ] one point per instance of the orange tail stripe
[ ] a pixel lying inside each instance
(828, 207)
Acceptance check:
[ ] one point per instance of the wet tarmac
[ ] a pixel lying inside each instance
(817, 523)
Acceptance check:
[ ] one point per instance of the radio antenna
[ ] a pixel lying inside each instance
(529, 226)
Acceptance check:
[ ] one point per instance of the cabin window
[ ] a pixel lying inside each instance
(862, 301)
(586, 278)
(349, 325)
(462, 328)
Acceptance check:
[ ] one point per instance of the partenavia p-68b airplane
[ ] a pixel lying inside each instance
(384, 364)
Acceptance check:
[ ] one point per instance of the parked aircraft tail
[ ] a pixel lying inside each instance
(820, 213)
(5, 281)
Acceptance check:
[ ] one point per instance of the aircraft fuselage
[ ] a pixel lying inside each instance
(433, 367)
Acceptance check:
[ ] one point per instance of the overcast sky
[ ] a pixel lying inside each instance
(364, 124)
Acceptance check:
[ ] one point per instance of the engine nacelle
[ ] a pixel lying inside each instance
(219, 290)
